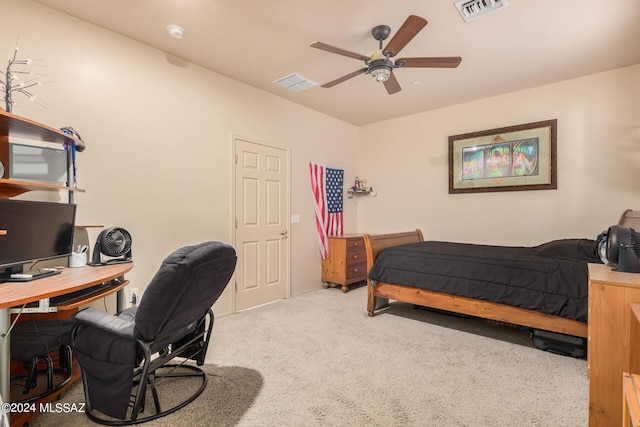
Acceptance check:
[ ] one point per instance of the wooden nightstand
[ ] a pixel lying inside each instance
(347, 261)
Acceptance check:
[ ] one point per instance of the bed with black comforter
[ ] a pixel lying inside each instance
(542, 287)
(551, 278)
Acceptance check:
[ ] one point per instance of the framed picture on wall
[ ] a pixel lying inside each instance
(513, 158)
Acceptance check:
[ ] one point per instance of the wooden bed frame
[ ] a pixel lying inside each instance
(469, 306)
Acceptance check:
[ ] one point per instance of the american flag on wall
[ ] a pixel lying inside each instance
(326, 184)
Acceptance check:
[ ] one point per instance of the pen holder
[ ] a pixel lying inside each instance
(78, 259)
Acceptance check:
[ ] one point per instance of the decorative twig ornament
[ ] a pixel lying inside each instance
(17, 80)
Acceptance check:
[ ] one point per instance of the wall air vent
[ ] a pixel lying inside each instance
(472, 9)
(295, 82)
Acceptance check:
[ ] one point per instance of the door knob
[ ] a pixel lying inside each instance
(284, 234)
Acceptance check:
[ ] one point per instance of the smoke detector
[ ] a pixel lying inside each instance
(472, 9)
(175, 31)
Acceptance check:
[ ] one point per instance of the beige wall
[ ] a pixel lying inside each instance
(158, 134)
(598, 165)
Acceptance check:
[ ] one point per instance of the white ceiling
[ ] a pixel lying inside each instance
(527, 44)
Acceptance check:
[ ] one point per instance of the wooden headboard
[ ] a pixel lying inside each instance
(374, 243)
(630, 218)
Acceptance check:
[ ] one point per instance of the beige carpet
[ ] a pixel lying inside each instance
(318, 360)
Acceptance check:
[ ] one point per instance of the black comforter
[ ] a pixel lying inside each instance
(550, 278)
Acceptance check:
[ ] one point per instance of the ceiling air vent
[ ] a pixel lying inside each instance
(472, 9)
(295, 82)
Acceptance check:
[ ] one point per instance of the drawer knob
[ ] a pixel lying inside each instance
(355, 257)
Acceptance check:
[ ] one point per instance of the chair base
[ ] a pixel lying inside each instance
(55, 378)
(151, 400)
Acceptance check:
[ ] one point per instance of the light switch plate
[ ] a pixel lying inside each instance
(295, 219)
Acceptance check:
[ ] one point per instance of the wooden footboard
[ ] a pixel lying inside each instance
(469, 306)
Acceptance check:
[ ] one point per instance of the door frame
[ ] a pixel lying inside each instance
(287, 192)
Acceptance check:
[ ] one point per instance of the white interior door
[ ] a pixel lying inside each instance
(262, 228)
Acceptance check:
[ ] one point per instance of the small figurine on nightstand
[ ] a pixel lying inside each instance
(358, 184)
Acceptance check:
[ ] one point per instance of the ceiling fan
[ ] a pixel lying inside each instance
(379, 63)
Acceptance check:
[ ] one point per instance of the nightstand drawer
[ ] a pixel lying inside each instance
(355, 244)
(356, 257)
(357, 271)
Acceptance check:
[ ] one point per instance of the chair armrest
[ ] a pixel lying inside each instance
(106, 321)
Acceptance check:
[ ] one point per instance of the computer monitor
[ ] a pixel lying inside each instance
(33, 231)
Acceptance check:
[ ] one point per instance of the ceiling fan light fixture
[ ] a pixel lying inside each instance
(380, 64)
(381, 74)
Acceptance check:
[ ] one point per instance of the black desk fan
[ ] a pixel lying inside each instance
(623, 249)
(112, 242)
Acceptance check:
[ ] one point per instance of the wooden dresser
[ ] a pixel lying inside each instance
(347, 261)
(631, 379)
(610, 297)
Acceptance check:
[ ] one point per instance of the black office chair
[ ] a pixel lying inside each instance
(121, 356)
(38, 343)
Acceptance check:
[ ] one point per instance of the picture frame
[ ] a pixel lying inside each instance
(512, 158)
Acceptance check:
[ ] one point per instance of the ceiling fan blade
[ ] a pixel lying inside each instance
(392, 85)
(339, 51)
(345, 78)
(435, 62)
(407, 31)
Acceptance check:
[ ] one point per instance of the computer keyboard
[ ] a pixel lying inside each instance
(82, 293)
